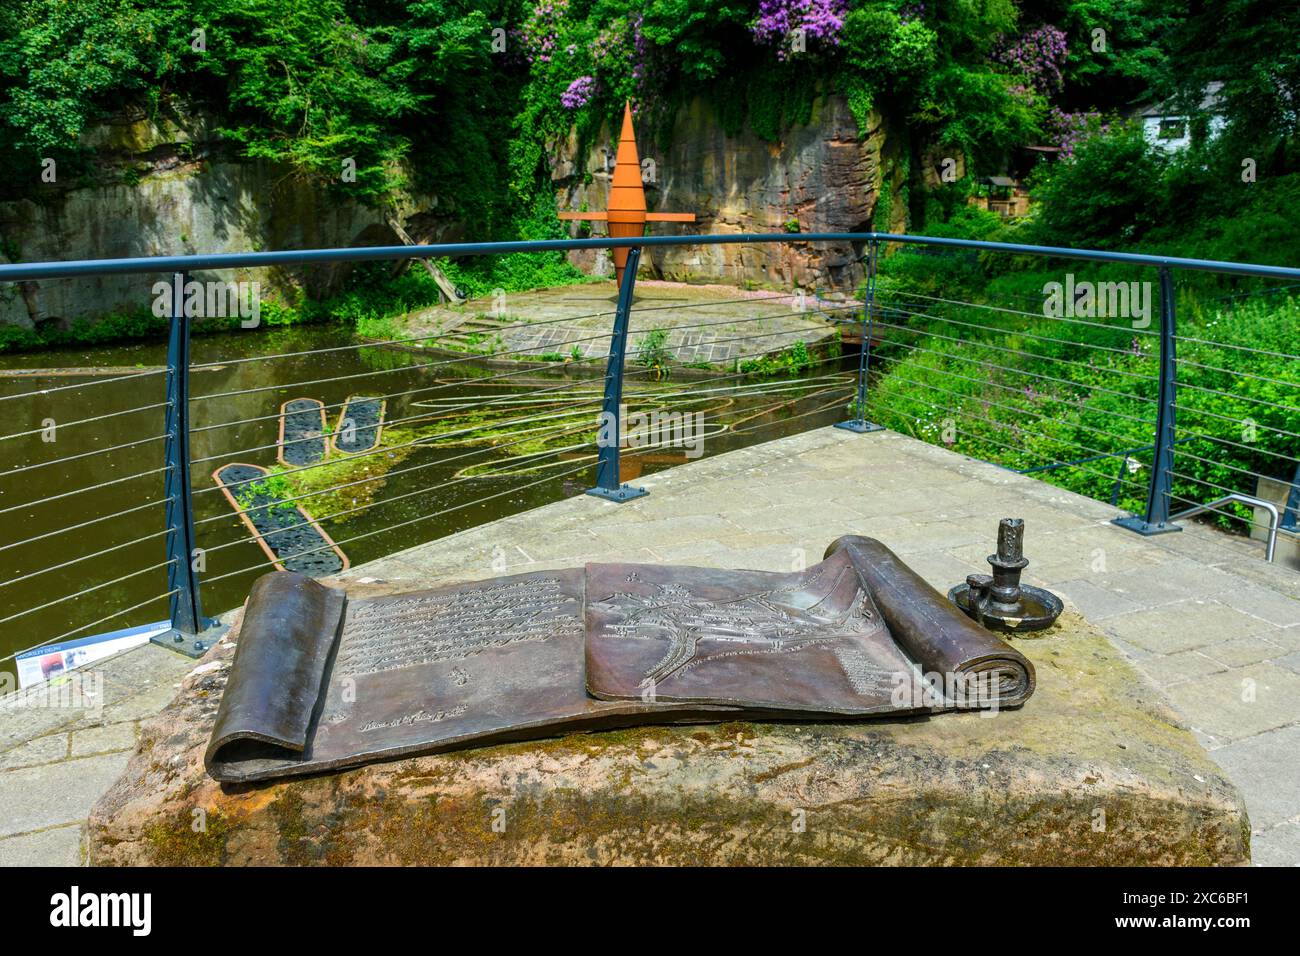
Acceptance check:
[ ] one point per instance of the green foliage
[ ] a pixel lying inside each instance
(651, 352)
(268, 493)
(1012, 386)
(790, 362)
(59, 61)
(1109, 192)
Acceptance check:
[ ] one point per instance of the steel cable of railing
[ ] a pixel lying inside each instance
(560, 387)
(85, 627)
(84, 454)
(440, 462)
(1241, 398)
(508, 374)
(42, 392)
(378, 449)
(1018, 333)
(1006, 388)
(1046, 358)
(86, 557)
(1229, 345)
(984, 438)
(1030, 315)
(816, 411)
(1205, 481)
(84, 524)
(438, 386)
(86, 421)
(259, 536)
(1238, 374)
(1272, 290)
(1006, 368)
(1241, 471)
(1019, 391)
(477, 501)
(505, 326)
(424, 490)
(384, 343)
(83, 591)
(454, 361)
(80, 491)
(1039, 417)
(1253, 449)
(375, 373)
(1193, 410)
(525, 399)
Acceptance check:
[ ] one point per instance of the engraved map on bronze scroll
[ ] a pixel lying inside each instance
(437, 669)
(805, 642)
(320, 683)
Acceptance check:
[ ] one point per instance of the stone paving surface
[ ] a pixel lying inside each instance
(56, 761)
(714, 324)
(1213, 625)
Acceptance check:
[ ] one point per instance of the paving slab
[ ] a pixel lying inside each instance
(1240, 702)
(57, 846)
(35, 798)
(1267, 772)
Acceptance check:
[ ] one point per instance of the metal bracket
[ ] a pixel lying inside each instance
(859, 426)
(621, 493)
(1143, 527)
(191, 645)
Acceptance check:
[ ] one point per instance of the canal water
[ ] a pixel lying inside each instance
(81, 460)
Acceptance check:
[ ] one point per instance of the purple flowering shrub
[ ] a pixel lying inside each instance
(1038, 55)
(579, 93)
(782, 23)
(541, 33)
(1068, 130)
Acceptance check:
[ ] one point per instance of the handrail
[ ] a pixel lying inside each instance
(20, 271)
(183, 557)
(1268, 506)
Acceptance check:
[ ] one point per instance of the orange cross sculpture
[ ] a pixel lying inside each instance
(627, 215)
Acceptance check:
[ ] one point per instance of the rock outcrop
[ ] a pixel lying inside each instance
(169, 187)
(825, 176)
(1093, 770)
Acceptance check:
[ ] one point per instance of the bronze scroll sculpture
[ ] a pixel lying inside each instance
(321, 682)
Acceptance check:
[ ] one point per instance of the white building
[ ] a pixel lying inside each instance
(1171, 130)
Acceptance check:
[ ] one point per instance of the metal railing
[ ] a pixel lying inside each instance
(984, 371)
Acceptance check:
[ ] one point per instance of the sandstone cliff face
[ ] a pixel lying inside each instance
(822, 177)
(165, 188)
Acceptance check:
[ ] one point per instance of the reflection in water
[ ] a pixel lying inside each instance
(463, 444)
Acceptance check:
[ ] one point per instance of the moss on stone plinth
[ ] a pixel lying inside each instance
(1095, 769)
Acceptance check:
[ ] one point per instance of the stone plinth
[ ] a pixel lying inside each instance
(1093, 770)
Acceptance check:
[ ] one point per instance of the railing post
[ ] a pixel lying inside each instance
(186, 609)
(1155, 520)
(859, 422)
(610, 435)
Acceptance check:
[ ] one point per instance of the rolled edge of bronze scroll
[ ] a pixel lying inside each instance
(287, 637)
(986, 671)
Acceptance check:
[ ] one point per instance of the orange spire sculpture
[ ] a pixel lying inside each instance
(627, 214)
